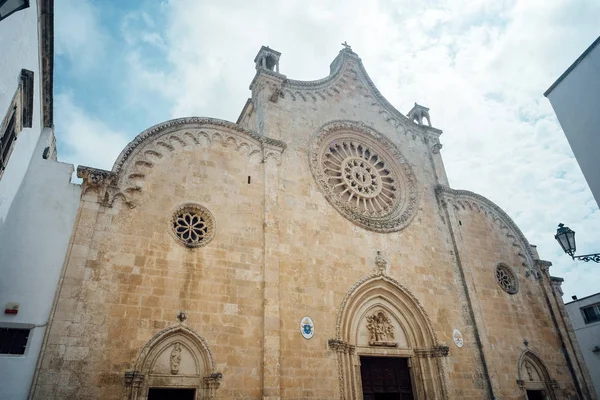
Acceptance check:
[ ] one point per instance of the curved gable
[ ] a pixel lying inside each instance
(473, 202)
(142, 153)
(348, 67)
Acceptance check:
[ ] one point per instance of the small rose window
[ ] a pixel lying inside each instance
(193, 225)
(507, 279)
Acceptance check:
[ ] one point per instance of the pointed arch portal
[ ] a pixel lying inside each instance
(175, 363)
(381, 318)
(533, 377)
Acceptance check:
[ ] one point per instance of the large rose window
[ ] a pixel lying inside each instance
(364, 176)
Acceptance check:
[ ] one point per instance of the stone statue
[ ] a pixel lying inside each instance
(529, 371)
(175, 358)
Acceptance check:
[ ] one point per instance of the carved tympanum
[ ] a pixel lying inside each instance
(382, 330)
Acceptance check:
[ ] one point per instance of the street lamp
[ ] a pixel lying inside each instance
(7, 7)
(566, 238)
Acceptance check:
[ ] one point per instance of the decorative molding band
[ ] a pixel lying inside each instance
(436, 351)
(98, 180)
(134, 378)
(339, 346)
(346, 67)
(191, 123)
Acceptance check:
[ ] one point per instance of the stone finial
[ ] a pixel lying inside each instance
(267, 59)
(381, 263)
(346, 46)
(418, 114)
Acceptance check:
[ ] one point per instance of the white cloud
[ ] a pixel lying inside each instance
(84, 139)
(78, 35)
(481, 66)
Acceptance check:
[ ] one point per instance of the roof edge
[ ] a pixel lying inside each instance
(572, 66)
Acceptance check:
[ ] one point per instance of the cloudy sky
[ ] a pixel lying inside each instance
(481, 66)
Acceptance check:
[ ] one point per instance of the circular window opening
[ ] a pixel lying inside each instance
(193, 225)
(507, 279)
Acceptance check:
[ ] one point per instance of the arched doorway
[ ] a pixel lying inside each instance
(175, 364)
(533, 377)
(382, 330)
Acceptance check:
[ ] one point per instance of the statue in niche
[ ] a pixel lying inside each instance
(175, 358)
(529, 371)
(382, 330)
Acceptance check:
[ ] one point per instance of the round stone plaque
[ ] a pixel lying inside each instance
(307, 327)
(458, 338)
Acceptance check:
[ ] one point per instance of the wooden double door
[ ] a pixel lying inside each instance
(385, 378)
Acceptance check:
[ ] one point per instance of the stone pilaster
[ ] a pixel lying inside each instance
(266, 88)
(271, 330)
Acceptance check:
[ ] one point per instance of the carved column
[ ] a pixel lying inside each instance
(271, 320)
(347, 369)
(133, 382)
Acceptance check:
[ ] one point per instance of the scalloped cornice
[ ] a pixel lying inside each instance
(349, 65)
(460, 197)
(140, 155)
(190, 123)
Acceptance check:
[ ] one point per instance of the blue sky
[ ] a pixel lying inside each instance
(481, 66)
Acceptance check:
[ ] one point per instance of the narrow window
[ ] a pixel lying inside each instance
(7, 137)
(248, 179)
(591, 313)
(13, 340)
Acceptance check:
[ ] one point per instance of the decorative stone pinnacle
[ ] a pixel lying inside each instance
(181, 317)
(381, 263)
(267, 59)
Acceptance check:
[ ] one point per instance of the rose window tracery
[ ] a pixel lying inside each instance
(506, 279)
(364, 176)
(193, 225)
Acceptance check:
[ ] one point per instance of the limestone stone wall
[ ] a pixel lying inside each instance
(127, 278)
(281, 252)
(507, 320)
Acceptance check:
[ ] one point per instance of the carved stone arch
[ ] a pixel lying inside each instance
(142, 154)
(409, 335)
(175, 357)
(532, 374)
(478, 203)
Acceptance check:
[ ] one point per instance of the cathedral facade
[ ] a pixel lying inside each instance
(311, 250)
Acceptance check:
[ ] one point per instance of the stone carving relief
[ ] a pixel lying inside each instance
(175, 358)
(381, 263)
(364, 176)
(382, 330)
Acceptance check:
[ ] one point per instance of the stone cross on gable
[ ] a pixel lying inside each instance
(346, 46)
